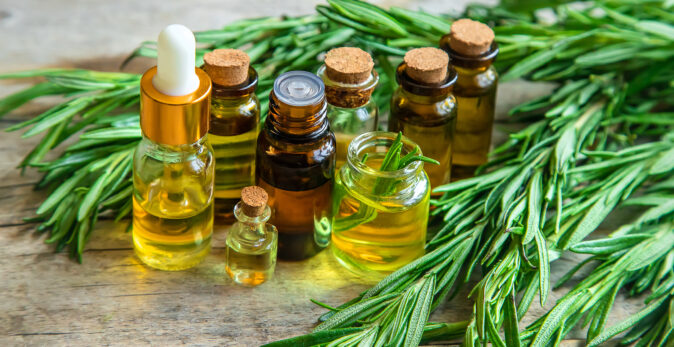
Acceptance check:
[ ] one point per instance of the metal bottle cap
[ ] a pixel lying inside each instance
(299, 88)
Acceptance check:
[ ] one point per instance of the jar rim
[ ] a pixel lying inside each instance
(360, 143)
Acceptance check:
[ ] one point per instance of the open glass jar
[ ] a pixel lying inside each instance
(380, 217)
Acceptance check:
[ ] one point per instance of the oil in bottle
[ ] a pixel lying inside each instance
(349, 80)
(251, 242)
(472, 50)
(295, 164)
(234, 126)
(424, 109)
(173, 163)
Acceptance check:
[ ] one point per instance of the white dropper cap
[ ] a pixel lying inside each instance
(175, 61)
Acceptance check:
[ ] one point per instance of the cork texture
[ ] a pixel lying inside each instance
(254, 200)
(349, 65)
(227, 67)
(427, 65)
(469, 37)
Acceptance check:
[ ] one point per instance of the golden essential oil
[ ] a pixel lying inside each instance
(234, 126)
(173, 163)
(252, 242)
(424, 109)
(380, 218)
(472, 50)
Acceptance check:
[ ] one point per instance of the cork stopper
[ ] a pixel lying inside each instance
(227, 67)
(254, 200)
(427, 65)
(468, 37)
(348, 65)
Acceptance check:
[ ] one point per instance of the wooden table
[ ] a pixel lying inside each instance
(112, 299)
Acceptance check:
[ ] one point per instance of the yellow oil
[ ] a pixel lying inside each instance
(393, 238)
(234, 165)
(172, 219)
(250, 267)
(472, 139)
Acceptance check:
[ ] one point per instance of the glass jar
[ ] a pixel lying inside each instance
(426, 114)
(351, 110)
(380, 217)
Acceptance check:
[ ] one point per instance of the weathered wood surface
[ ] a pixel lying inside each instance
(112, 299)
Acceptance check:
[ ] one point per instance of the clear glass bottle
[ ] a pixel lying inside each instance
(426, 114)
(351, 110)
(475, 92)
(251, 241)
(295, 164)
(173, 177)
(380, 217)
(234, 126)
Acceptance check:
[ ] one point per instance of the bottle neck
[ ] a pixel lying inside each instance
(422, 92)
(254, 223)
(243, 91)
(296, 121)
(470, 64)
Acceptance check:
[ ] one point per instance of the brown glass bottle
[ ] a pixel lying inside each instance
(234, 127)
(426, 113)
(475, 92)
(295, 163)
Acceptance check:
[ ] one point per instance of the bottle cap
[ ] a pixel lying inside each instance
(175, 102)
(254, 200)
(227, 67)
(299, 88)
(427, 65)
(349, 65)
(470, 38)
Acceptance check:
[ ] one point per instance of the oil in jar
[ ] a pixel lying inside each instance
(380, 218)
(234, 126)
(252, 242)
(472, 50)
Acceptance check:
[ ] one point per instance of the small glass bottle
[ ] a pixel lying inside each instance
(472, 50)
(251, 242)
(380, 217)
(234, 126)
(349, 80)
(424, 109)
(173, 163)
(295, 164)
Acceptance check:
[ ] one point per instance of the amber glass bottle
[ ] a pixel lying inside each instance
(295, 163)
(234, 126)
(472, 52)
(349, 80)
(424, 109)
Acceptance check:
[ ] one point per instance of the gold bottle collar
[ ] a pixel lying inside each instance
(174, 120)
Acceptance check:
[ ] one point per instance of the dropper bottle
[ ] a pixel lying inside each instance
(173, 164)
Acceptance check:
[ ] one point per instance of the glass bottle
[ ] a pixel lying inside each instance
(251, 242)
(349, 80)
(380, 217)
(173, 172)
(234, 126)
(475, 92)
(295, 163)
(426, 114)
